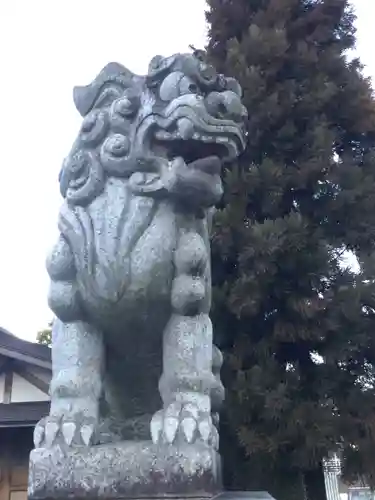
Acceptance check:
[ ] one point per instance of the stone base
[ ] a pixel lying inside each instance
(244, 495)
(124, 470)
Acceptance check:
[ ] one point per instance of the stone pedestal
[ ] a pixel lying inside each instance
(244, 495)
(130, 470)
(124, 470)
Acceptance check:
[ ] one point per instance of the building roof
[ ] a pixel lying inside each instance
(32, 362)
(22, 350)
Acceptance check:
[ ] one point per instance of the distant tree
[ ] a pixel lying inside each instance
(296, 326)
(45, 336)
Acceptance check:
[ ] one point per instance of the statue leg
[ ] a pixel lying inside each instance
(77, 363)
(187, 380)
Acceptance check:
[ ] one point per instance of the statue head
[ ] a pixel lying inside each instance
(182, 113)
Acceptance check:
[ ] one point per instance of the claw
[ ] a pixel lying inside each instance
(38, 435)
(156, 427)
(184, 422)
(68, 431)
(87, 430)
(51, 431)
(205, 428)
(189, 426)
(170, 429)
(215, 438)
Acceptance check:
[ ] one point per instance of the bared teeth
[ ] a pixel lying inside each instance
(185, 132)
(163, 135)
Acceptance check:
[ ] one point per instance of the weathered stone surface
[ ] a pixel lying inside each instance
(244, 495)
(125, 470)
(132, 350)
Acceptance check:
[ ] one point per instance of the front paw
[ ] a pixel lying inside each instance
(183, 423)
(65, 431)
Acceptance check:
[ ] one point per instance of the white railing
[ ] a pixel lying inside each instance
(332, 470)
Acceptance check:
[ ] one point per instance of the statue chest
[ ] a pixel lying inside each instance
(123, 247)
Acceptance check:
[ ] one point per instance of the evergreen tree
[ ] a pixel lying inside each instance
(45, 336)
(296, 325)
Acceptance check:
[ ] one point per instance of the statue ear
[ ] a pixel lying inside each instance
(108, 85)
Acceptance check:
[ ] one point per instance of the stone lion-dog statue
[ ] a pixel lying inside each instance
(132, 348)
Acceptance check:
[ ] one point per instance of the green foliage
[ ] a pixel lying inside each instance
(45, 336)
(296, 326)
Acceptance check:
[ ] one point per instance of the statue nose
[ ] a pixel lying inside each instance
(226, 105)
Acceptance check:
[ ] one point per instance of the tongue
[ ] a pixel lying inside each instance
(209, 165)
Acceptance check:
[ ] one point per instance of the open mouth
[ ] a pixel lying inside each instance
(192, 150)
(195, 148)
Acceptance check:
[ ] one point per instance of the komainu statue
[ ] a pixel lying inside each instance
(132, 354)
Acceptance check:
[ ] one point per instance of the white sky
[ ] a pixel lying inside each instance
(47, 47)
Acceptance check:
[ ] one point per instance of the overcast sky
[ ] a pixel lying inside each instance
(47, 47)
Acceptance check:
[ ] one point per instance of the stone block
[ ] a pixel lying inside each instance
(125, 470)
(244, 495)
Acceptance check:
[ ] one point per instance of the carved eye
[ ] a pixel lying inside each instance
(177, 84)
(187, 86)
